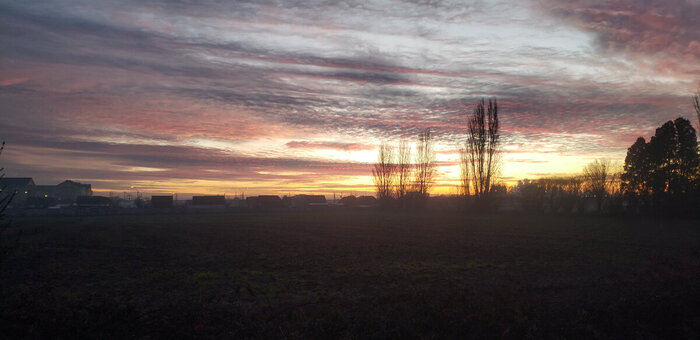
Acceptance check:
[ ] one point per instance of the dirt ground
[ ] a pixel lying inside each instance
(350, 275)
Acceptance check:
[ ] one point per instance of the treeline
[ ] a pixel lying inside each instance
(595, 190)
(660, 177)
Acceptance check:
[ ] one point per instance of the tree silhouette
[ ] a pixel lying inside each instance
(666, 169)
(384, 172)
(597, 178)
(425, 163)
(686, 169)
(403, 170)
(464, 178)
(637, 170)
(674, 157)
(483, 147)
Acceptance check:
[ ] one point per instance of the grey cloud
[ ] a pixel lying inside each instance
(668, 29)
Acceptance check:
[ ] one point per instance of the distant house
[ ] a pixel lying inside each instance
(214, 200)
(303, 202)
(264, 202)
(28, 194)
(69, 190)
(22, 187)
(348, 201)
(162, 202)
(66, 191)
(207, 203)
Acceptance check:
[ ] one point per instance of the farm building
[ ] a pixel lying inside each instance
(209, 200)
(207, 203)
(66, 191)
(303, 202)
(348, 201)
(162, 202)
(264, 202)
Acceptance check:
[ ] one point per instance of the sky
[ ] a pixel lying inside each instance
(290, 97)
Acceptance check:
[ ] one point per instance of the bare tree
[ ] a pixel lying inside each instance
(384, 171)
(464, 177)
(403, 170)
(597, 176)
(425, 170)
(483, 147)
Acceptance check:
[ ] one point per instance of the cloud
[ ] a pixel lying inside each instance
(140, 84)
(127, 163)
(329, 145)
(666, 30)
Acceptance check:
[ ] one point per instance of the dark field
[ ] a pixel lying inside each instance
(355, 275)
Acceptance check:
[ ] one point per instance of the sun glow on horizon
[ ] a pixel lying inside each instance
(515, 166)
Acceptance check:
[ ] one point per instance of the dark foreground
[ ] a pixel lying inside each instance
(350, 275)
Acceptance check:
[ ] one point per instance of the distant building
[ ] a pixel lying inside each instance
(303, 202)
(207, 203)
(348, 201)
(66, 191)
(264, 202)
(366, 202)
(69, 190)
(162, 202)
(22, 187)
(30, 195)
(209, 200)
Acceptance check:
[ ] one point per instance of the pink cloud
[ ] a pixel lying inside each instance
(329, 145)
(664, 30)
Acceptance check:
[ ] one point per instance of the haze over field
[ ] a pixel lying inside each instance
(276, 97)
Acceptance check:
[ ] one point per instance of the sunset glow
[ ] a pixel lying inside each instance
(294, 97)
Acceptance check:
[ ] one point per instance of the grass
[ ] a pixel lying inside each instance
(351, 275)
